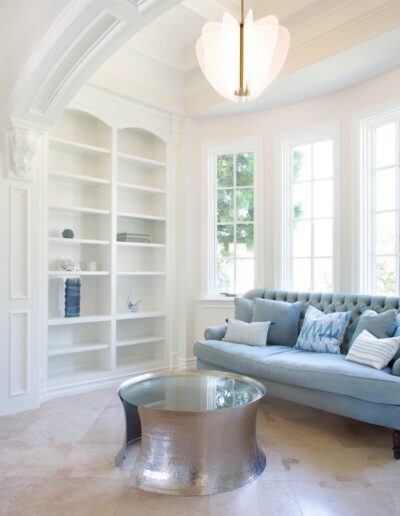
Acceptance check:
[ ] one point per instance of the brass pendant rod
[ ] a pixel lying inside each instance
(241, 49)
(242, 91)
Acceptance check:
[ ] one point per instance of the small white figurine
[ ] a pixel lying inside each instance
(68, 265)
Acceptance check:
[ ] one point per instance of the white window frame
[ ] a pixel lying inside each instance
(364, 258)
(211, 149)
(284, 241)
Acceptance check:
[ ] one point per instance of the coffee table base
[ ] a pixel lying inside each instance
(133, 430)
(198, 453)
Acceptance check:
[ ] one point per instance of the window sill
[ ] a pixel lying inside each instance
(218, 302)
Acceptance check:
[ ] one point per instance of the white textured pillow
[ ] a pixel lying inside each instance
(253, 334)
(369, 350)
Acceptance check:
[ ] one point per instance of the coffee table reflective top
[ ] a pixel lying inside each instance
(191, 391)
(197, 430)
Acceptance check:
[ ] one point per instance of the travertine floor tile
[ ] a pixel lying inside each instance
(59, 497)
(355, 500)
(142, 503)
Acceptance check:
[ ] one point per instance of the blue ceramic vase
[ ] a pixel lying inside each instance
(72, 297)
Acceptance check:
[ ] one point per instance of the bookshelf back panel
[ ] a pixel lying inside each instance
(131, 259)
(137, 202)
(74, 335)
(84, 128)
(136, 328)
(84, 254)
(139, 142)
(155, 229)
(150, 290)
(84, 225)
(64, 193)
(133, 173)
(95, 296)
(65, 365)
(135, 355)
(73, 163)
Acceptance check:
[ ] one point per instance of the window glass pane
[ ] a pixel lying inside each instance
(385, 189)
(302, 274)
(245, 240)
(386, 276)
(302, 201)
(244, 276)
(323, 159)
(301, 165)
(225, 205)
(244, 169)
(225, 170)
(323, 237)
(225, 276)
(323, 275)
(245, 204)
(386, 233)
(302, 238)
(323, 198)
(385, 150)
(225, 242)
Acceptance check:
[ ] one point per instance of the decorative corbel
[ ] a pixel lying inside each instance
(21, 150)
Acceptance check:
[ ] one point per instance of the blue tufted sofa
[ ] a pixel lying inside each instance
(321, 380)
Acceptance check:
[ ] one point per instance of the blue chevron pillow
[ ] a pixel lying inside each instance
(321, 332)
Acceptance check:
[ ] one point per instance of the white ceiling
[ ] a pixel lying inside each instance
(334, 44)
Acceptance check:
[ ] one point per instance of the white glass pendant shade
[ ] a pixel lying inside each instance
(266, 45)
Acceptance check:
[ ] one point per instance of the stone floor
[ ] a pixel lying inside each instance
(58, 460)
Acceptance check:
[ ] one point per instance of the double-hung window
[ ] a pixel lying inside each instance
(231, 257)
(380, 202)
(308, 261)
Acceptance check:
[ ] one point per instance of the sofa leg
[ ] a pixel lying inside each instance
(396, 444)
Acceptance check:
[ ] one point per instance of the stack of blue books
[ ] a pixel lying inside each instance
(72, 297)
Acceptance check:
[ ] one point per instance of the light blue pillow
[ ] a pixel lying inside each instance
(322, 333)
(244, 309)
(285, 320)
(380, 325)
(252, 334)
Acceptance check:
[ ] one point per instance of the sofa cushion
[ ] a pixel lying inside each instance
(285, 318)
(244, 309)
(377, 324)
(322, 333)
(252, 334)
(373, 352)
(322, 371)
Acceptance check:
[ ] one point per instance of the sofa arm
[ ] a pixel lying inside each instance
(215, 333)
(396, 368)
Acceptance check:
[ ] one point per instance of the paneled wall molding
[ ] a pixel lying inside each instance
(19, 353)
(19, 243)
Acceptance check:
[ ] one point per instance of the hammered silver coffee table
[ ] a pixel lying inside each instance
(198, 431)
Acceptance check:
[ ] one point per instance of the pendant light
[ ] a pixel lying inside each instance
(239, 60)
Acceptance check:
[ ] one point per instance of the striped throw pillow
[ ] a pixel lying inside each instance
(252, 334)
(370, 351)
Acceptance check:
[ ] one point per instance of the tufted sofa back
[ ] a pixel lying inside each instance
(331, 302)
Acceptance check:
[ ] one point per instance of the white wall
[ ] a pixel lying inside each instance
(341, 108)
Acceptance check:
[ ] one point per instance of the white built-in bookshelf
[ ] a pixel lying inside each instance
(104, 180)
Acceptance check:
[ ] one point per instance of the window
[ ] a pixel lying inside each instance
(310, 206)
(231, 212)
(234, 258)
(381, 199)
